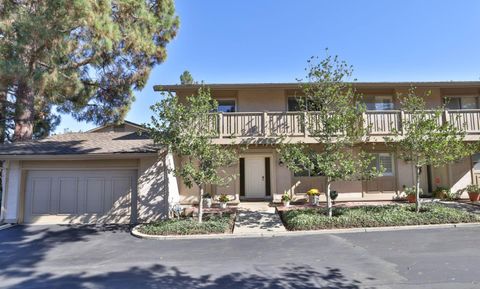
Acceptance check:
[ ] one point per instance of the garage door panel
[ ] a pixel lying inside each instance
(95, 195)
(83, 196)
(68, 192)
(41, 195)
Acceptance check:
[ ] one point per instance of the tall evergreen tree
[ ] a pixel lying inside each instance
(84, 57)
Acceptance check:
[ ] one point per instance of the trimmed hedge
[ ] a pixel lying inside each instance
(212, 224)
(374, 216)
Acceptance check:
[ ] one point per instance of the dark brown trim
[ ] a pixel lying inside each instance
(242, 177)
(267, 177)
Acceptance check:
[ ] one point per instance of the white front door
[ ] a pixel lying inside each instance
(255, 177)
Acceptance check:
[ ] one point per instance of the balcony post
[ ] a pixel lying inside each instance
(365, 122)
(402, 117)
(265, 124)
(445, 116)
(220, 125)
(305, 123)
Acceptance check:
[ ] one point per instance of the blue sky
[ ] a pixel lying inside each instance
(270, 40)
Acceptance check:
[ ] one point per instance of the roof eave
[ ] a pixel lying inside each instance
(130, 155)
(226, 86)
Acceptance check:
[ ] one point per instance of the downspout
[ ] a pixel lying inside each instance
(4, 174)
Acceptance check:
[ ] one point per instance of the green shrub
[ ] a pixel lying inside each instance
(212, 224)
(374, 216)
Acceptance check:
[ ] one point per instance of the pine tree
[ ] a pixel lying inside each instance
(84, 57)
(186, 78)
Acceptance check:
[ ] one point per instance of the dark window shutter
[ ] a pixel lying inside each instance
(242, 177)
(267, 176)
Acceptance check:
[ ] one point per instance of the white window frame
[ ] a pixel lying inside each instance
(379, 100)
(294, 97)
(228, 99)
(392, 160)
(461, 97)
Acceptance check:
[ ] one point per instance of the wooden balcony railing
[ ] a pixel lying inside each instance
(292, 124)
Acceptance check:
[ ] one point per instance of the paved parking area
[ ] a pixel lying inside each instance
(90, 257)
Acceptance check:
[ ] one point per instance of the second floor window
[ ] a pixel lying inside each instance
(226, 105)
(380, 102)
(461, 102)
(293, 104)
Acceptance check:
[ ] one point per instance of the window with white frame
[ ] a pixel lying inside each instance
(295, 103)
(380, 102)
(226, 105)
(461, 102)
(385, 161)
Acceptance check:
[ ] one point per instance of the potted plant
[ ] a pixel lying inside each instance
(473, 192)
(223, 199)
(411, 194)
(313, 197)
(286, 200)
(207, 200)
(441, 193)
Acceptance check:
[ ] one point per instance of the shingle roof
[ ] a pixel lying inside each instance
(83, 143)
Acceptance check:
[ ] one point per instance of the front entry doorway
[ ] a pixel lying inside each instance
(255, 177)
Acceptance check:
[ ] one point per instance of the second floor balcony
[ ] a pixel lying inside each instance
(268, 127)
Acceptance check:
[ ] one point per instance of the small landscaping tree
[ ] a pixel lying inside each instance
(425, 139)
(187, 129)
(334, 119)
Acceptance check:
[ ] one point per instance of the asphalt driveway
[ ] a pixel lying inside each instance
(90, 257)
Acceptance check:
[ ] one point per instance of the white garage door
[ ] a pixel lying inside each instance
(83, 196)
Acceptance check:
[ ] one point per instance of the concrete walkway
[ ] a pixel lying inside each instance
(257, 218)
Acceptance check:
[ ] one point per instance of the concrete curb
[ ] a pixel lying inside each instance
(138, 234)
(6, 226)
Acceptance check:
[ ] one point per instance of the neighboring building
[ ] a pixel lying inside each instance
(259, 113)
(115, 174)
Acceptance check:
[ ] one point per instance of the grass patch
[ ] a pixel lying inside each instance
(374, 216)
(212, 224)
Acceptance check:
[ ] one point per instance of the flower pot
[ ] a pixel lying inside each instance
(314, 200)
(286, 203)
(473, 196)
(223, 205)
(411, 198)
(207, 202)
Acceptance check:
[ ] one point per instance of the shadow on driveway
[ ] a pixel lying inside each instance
(24, 248)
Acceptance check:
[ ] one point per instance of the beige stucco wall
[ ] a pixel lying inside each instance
(275, 98)
(261, 100)
(460, 175)
(152, 189)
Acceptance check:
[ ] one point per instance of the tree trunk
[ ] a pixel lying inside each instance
(24, 112)
(329, 200)
(417, 188)
(200, 205)
(3, 115)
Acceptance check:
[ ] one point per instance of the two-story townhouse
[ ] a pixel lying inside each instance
(259, 113)
(114, 174)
